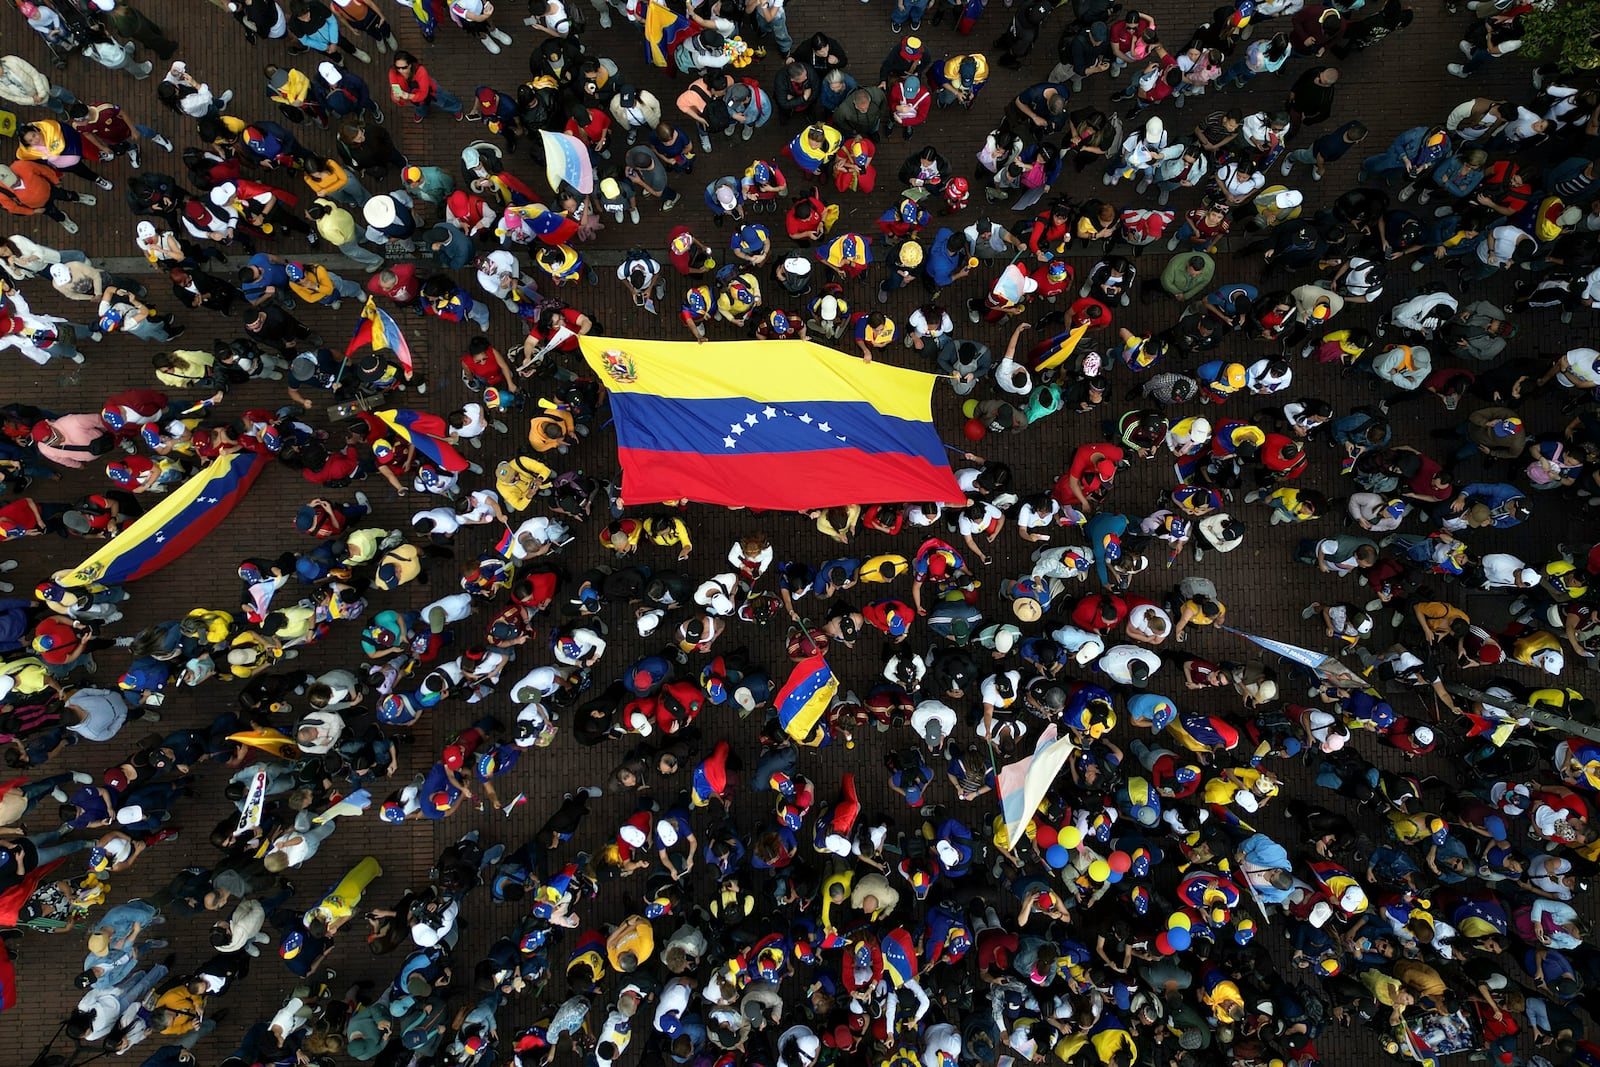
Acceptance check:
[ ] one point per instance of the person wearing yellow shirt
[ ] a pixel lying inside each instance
(328, 178)
(316, 284)
(630, 944)
(337, 226)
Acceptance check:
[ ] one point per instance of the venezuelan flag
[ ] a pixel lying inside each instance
(779, 425)
(805, 696)
(379, 330)
(552, 227)
(180, 521)
(427, 433)
(566, 161)
(662, 29)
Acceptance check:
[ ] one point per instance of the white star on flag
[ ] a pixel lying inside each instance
(738, 428)
(805, 418)
(770, 412)
(752, 418)
(824, 427)
(728, 441)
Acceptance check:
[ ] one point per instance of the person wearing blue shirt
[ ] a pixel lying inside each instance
(1507, 506)
(1232, 303)
(1330, 147)
(263, 278)
(1266, 864)
(835, 575)
(946, 261)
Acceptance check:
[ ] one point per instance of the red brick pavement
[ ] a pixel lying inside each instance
(1263, 587)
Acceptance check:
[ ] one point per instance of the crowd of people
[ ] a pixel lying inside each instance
(1167, 902)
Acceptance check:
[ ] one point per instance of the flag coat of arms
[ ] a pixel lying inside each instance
(178, 523)
(777, 425)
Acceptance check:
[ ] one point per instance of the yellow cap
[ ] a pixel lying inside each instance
(911, 254)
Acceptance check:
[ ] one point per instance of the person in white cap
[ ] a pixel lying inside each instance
(188, 95)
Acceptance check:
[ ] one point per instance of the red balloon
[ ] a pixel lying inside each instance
(1120, 861)
(1163, 945)
(1044, 836)
(975, 430)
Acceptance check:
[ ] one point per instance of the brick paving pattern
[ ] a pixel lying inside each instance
(1397, 85)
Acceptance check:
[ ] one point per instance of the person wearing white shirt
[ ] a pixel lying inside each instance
(537, 536)
(1129, 664)
(1501, 570)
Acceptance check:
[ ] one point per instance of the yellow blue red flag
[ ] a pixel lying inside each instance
(662, 29)
(175, 525)
(778, 425)
(805, 696)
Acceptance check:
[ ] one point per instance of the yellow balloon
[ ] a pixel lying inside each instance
(1069, 837)
(1179, 921)
(1099, 871)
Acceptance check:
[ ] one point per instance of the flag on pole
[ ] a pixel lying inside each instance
(428, 434)
(805, 696)
(1056, 350)
(1327, 669)
(662, 29)
(379, 330)
(1024, 783)
(566, 159)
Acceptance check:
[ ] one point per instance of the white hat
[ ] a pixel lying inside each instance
(1089, 651)
(223, 193)
(1423, 735)
(1154, 129)
(1288, 198)
(632, 836)
(1267, 690)
(836, 844)
(1528, 576)
(667, 832)
(145, 228)
(1005, 639)
(1353, 900)
(1246, 800)
(60, 274)
(104, 5)
(719, 604)
(1549, 660)
(648, 622)
(379, 210)
(1320, 914)
(744, 698)
(797, 265)
(329, 73)
(947, 853)
(726, 197)
(828, 308)
(1030, 285)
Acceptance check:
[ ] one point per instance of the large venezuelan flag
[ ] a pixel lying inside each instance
(778, 425)
(175, 525)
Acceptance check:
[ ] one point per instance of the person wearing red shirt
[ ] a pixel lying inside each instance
(1089, 476)
(483, 367)
(410, 83)
(398, 283)
(1099, 612)
(1285, 459)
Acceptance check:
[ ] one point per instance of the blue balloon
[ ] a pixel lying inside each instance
(1114, 877)
(1178, 938)
(1057, 856)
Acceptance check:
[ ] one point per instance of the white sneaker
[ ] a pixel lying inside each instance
(633, 213)
(362, 499)
(605, 20)
(500, 35)
(68, 225)
(490, 44)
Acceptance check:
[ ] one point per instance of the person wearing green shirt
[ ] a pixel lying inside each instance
(1184, 277)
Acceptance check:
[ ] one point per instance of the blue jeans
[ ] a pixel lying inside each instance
(908, 11)
(480, 315)
(443, 101)
(1240, 71)
(779, 28)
